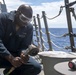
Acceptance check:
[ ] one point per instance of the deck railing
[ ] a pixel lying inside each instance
(39, 32)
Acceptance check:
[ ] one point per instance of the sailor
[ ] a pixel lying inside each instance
(16, 33)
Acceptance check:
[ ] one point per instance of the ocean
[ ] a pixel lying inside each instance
(58, 42)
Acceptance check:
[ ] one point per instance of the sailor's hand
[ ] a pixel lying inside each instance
(16, 62)
(24, 58)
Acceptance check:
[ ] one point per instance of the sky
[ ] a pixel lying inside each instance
(51, 8)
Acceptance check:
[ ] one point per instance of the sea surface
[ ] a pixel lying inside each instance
(58, 42)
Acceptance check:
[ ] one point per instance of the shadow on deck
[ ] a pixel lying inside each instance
(1, 72)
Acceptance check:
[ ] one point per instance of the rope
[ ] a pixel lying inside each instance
(64, 35)
(45, 47)
(61, 8)
(57, 46)
(44, 40)
(42, 32)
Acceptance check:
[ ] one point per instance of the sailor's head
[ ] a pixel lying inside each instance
(24, 14)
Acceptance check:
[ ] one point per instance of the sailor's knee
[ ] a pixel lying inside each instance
(37, 69)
